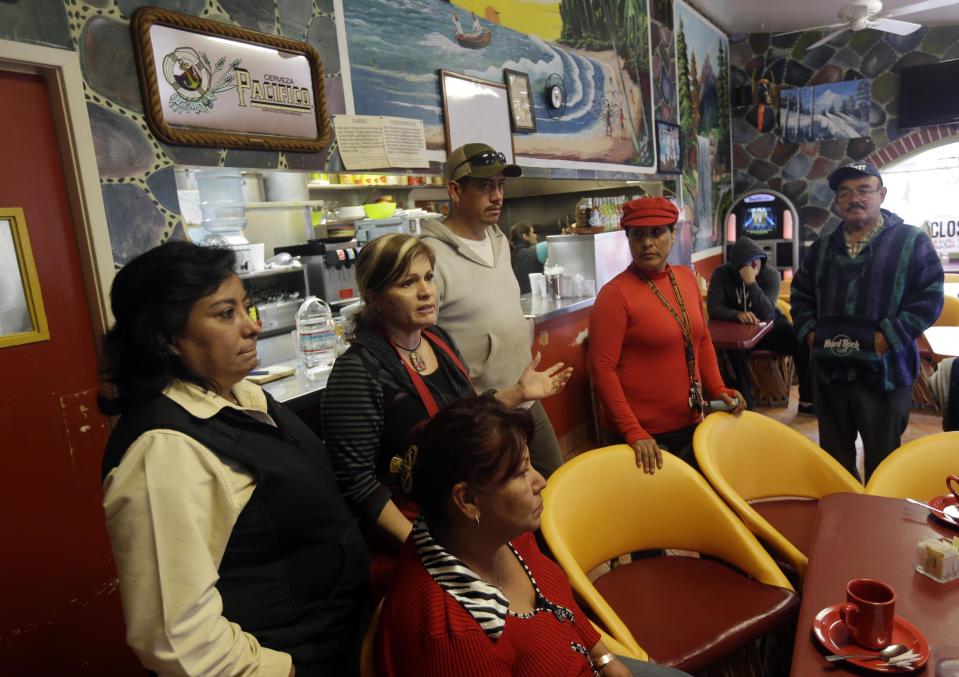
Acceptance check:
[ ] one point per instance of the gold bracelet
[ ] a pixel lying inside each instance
(603, 661)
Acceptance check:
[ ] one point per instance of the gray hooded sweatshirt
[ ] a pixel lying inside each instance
(479, 307)
(729, 295)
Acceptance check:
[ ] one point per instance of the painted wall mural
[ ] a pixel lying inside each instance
(601, 55)
(606, 71)
(835, 110)
(702, 77)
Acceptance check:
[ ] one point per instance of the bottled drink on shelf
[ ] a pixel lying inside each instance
(316, 335)
(584, 208)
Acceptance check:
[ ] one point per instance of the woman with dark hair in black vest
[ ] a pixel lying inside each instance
(235, 551)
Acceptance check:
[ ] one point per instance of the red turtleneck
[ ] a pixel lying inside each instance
(637, 358)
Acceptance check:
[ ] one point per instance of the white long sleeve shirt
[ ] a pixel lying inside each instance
(171, 505)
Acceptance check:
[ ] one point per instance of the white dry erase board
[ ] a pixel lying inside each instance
(476, 111)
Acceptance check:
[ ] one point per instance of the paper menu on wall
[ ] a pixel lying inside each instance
(377, 142)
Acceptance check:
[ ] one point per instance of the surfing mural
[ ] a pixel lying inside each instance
(597, 51)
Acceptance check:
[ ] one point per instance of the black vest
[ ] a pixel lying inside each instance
(295, 570)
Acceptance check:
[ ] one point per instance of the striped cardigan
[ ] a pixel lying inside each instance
(896, 281)
(369, 406)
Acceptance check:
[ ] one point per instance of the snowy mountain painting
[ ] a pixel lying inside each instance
(837, 110)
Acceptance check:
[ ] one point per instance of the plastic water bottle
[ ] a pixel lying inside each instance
(316, 335)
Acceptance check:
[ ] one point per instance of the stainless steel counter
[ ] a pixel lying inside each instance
(305, 391)
(540, 309)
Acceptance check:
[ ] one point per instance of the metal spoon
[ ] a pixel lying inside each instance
(890, 651)
(927, 507)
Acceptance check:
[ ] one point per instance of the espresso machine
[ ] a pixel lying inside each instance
(329, 269)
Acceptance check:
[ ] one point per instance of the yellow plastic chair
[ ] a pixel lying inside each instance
(752, 457)
(949, 317)
(785, 287)
(784, 307)
(917, 469)
(599, 506)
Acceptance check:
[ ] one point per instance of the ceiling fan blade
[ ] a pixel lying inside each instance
(894, 26)
(916, 7)
(826, 39)
(812, 28)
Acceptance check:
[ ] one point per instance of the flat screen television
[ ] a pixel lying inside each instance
(929, 95)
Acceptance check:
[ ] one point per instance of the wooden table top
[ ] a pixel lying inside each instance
(728, 335)
(859, 536)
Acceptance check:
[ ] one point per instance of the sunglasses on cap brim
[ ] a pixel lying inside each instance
(484, 159)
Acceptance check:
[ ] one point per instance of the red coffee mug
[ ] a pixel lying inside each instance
(953, 479)
(869, 611)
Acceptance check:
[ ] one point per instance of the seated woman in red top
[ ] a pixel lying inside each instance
(472, 595)
(650, 354)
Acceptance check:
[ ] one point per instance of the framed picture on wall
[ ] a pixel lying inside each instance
(208, 83)
(476, 111)
(520, 101)
(670, 157)
(22, 318)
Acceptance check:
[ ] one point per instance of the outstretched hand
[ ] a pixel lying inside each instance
(535, 385)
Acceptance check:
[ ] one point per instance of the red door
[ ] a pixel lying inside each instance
(59, 604)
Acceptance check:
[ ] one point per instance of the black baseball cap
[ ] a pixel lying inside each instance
(477, 160)
(852, 171)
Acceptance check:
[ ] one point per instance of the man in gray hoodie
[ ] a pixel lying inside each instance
(477, 290)
(745, 289)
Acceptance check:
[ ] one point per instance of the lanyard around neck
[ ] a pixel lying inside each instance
(685, 327)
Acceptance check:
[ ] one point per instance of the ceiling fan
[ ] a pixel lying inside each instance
(861, 14)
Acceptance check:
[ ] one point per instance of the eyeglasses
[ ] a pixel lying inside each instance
(484, 159)
(863, 193)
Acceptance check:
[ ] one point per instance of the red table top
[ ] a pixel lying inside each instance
(729, 335)
(858, 536)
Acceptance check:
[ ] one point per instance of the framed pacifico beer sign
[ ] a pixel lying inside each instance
(212, 84)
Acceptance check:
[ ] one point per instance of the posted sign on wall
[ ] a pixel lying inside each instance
(214, 84)
(944, 232)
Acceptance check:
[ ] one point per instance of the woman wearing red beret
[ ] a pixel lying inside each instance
(651, 356)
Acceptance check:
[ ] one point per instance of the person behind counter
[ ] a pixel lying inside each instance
(649, 349)
(236, 553)
(526, 255)
(473, 596)
(479, 299)
(399, 370)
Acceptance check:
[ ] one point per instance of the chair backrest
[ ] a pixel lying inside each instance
(785, 288)
(949, 317)
(917, 469)
(784, 308)
(758, 457)
(751, 456)
(600, 505)
(367, 662)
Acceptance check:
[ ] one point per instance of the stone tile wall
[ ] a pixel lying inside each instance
(800, 170)
(136, 169)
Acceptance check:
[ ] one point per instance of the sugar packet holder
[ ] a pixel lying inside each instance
(938, 558)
